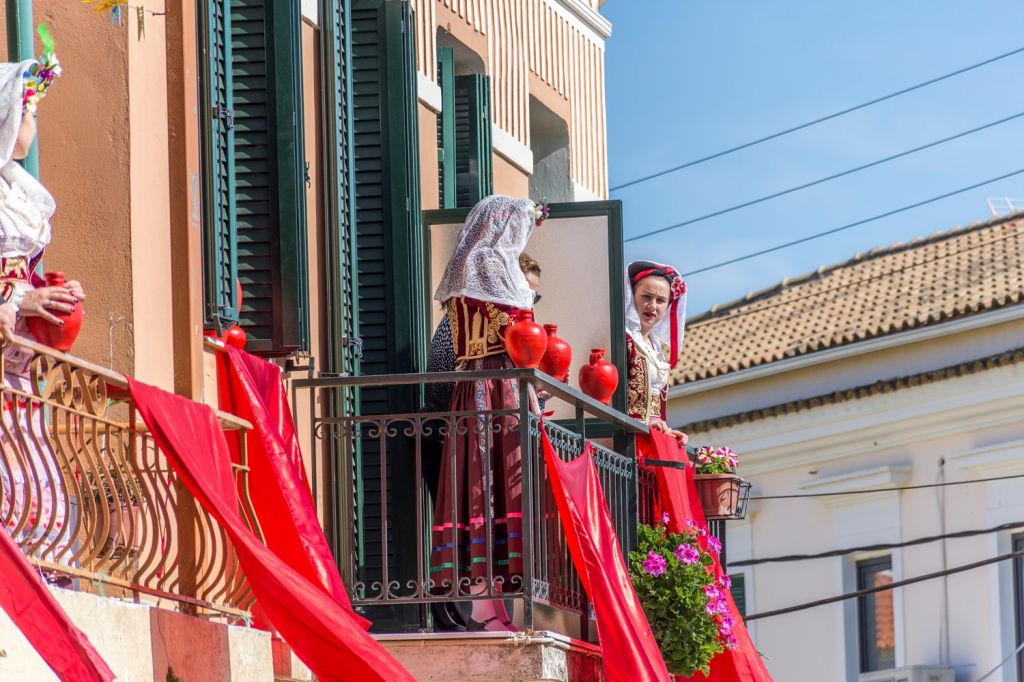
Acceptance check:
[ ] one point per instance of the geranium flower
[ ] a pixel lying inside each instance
(655, 564)
(664, 518)
(714, 544)
(688, 554)
(725, 581)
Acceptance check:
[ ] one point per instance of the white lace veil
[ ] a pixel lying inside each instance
(485, 263)
(675, 317)
(12, 89)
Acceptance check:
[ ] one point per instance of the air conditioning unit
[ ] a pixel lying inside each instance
(910, 673)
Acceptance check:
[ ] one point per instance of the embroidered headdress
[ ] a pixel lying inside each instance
(485, 263)
(669, 330)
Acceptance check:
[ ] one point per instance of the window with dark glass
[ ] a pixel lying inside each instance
(739, 593)
(876, 622)
(465, 175)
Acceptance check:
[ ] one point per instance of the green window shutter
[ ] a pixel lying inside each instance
(474, 173)
(446, 128)
(389, 265)
(220, 264)
(739, 593)
(342, 323)
(270, 171)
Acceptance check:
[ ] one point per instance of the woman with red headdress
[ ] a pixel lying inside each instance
(655, 317)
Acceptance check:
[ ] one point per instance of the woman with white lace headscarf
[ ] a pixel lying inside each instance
(482, 290)
(655, 318)
(33, 507)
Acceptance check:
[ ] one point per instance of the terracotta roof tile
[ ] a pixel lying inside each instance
(1005, 359)
(925, 281)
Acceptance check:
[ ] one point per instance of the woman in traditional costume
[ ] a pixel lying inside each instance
(655, 317)
(33, 507)
(478, 511)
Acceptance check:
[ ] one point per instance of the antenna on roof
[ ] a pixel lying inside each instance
(1001, 206)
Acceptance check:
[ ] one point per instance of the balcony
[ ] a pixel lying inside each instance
(94, 505)
(383, 525)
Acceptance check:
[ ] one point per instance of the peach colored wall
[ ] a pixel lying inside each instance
(428, 157)
(150, 203)
(85, 144)
(510, 179)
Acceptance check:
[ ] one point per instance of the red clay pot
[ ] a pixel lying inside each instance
(526, 341)
(600, 378)
(55, 336)
(558, 357)
(235, 336)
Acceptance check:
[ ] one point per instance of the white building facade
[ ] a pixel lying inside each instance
(898, 368)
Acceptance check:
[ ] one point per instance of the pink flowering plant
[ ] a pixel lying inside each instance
(712, 460)
(684, 603)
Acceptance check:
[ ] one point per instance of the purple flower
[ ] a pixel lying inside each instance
(664, 518)
(712, 592)
(727, 619)
(730, 641)
(711, 608)
(725, 581)
(714, 544)
(688, 554)
(655, 564)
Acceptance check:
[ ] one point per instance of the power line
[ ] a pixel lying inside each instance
(883, 588)
(816, 121)
(876, 547)
(849, 285)
(796, 496)
(828, 178)
(857, 223)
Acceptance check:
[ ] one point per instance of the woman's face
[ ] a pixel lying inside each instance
(26, 134)
(651, 296)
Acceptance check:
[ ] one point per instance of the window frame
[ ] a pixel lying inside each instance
(862, 567)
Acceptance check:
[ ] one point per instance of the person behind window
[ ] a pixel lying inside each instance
(655, 317)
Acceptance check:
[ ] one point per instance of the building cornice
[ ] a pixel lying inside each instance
(1008, 314)
(588, 16)
(429, 93)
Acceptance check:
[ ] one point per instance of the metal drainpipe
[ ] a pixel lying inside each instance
(20, 45)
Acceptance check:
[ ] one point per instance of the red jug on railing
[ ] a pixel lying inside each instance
(558, 357)
(60, 337)
(526, 341)
(599, 379)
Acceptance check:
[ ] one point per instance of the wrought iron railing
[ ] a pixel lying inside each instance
(91, 499)
(382, 517)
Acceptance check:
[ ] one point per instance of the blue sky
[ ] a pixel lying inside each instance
(686, 78)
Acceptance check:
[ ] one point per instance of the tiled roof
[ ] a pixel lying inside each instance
(945, 276)
(1010, 357)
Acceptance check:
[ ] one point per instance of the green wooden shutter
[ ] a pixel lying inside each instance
(389, 266)
(270, 172)
(474, 173)
(343, 341)
(220, 265)
(739, 593)
(446, 128)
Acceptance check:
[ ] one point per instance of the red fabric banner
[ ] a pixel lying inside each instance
(279, 488)
(629, 651)
(326, 636)
(40, 618)
(677, 495)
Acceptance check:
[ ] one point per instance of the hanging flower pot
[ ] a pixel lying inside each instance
(719, 494)
(600, 378)
(526, 341)
(60, 337)
(558, 357)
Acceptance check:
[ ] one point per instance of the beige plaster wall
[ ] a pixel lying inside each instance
(428, 157)
(85, 146)
(151, 320)
(510, 179)
(141, 643)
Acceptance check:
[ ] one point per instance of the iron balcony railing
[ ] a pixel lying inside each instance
(382, 515)
(92, 501)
